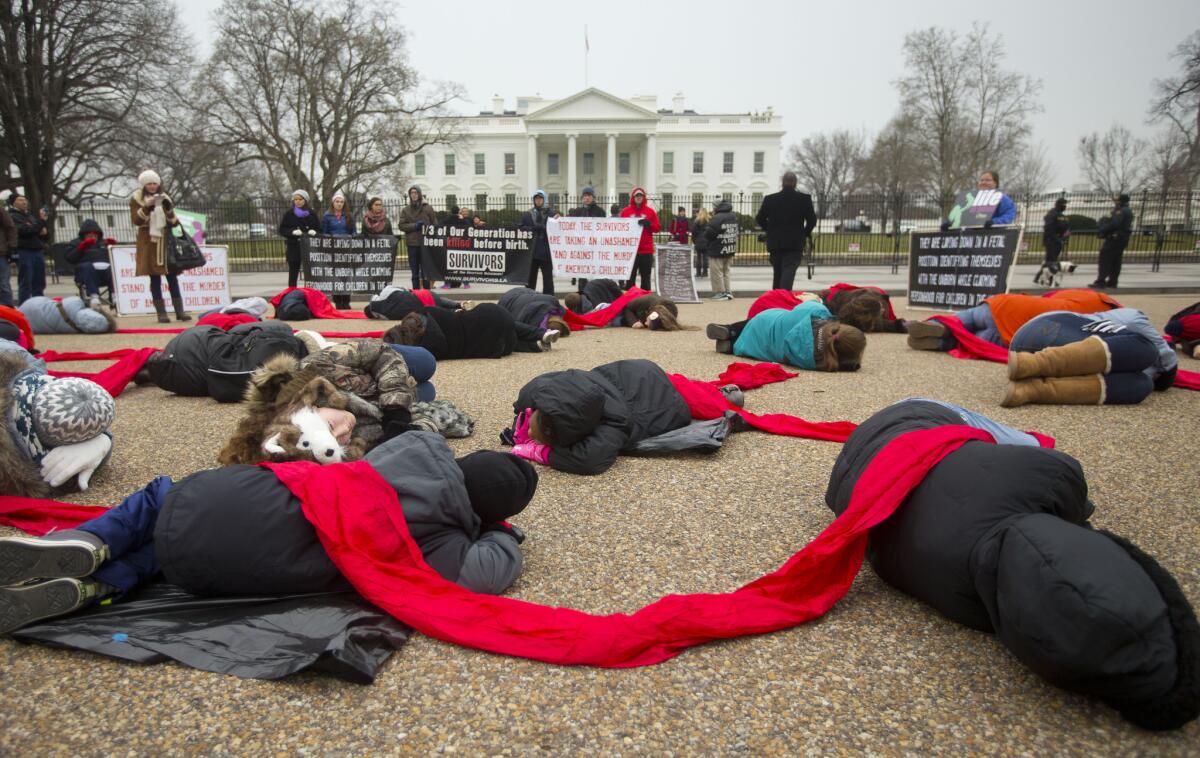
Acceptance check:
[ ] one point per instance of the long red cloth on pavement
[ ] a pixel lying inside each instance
(114, 378)
(318, 304)
(602, 317)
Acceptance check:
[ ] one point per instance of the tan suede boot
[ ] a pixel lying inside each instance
(1066, 390)
(1089, 356)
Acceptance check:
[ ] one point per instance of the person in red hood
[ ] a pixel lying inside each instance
(648, 220)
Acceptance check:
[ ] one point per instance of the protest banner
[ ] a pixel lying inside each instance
(673, 273)
(960, 269)
(203, 288)
(347, 265)
(974, 208)
(496, 254)
(593, 248)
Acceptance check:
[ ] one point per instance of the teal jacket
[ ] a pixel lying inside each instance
(782, 336)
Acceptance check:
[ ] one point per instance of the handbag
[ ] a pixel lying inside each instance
(182, 251)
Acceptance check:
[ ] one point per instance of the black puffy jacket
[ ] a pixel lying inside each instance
(207, 361)
(530, 307)
(996, 537)
(721, 232)
(593, 416)
(597, 291)
(400, 302)
(485, 331)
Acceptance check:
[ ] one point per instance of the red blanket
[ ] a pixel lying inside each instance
(318, 304)
(748, 376)
(601, 317)
(971, 347)
(114, 378)
(787, 299)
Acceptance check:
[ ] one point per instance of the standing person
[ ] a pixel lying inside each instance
(459, 218)
(588, 207)
(722, 235)
(8, 244)
(338, 222)
(413, 217)
(153, 214)
(638, 208)
(700, 241)
(31, 246)
(375, 220)
(535, 218)
(680, 227)
(1115, 231)
(297, 222)
(1005, 211)
(788, 219)
(1055, 230)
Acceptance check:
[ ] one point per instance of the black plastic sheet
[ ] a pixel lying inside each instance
(698, 436)
(250, 637)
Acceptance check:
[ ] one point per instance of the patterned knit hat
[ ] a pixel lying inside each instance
(71, 410)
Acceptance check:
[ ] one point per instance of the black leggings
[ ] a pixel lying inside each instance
(293, 272)
(172, 284)
(641, 267)
(547, 269)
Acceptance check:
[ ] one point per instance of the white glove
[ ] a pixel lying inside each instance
(81, 458)
(312, 232)
(296, 232)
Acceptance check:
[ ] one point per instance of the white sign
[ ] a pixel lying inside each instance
(593, 248)
(202, 288)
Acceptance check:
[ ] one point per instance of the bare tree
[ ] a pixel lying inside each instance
(75, 74)
(1030, 175)
(969, 112)
(828, 165)
(890, 168)
(1177, 103)
(323, 97)
(1113, 163)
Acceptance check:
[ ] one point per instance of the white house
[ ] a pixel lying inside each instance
(610, 143)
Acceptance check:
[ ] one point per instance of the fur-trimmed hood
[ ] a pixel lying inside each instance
(18, 475)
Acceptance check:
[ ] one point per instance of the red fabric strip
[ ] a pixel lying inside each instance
(318, 303)
(40, 517)
(749, 376)
(601, 317)
(114, 378)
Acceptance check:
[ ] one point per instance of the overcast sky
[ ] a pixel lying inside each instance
(822, 66)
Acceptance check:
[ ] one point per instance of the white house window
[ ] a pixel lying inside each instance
(727, 163)
(480, 164)
(510, 200)
(727, 197)
(668, 163)
(480, 202)
(668, 199)
(698, 163)
(552, 164)
(756, 199)
(623, 199)
(589, 164)
(510, 163)
(451, 201)
(623, 163)
(697, 201)
(419, 164)
(449, 164)
(760, 158)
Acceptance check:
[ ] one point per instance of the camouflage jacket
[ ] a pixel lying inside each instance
(369, 369)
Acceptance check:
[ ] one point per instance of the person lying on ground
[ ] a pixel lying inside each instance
(485, 331)
(394, 303)
(865, 308)
(88, 252)
(1015, 556)
(999, 317)
(535, 309)
(651, 312)
(248, 306)
(1184, 330)
(206, 361)
(580, 421)
(807, 336)
(68, 316)
(593, 294)
(1112, 358)
(238, 530)
(335, 404)
(55, 431)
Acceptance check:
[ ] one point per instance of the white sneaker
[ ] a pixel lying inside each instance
(93, 301)
(548, 339)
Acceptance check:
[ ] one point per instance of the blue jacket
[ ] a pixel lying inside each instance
(782, 336)
(337, 227)
(1006, 211)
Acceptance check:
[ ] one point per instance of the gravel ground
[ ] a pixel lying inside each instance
(879, 674)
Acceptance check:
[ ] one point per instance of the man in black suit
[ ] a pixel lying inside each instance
(788, 219)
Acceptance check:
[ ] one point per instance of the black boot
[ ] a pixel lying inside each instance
(161, 308)
(180, 314)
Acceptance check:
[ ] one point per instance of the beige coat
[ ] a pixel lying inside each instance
(151, 253)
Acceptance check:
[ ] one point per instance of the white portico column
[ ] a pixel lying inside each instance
(610, 177)
(533, 166)
(651, 164)
(572, 187)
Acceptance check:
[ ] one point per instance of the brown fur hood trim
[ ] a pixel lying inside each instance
(18, 475)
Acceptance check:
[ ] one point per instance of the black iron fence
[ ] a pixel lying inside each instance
(859, 229)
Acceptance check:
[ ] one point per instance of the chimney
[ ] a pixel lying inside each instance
(677, 103)
(497, 105)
